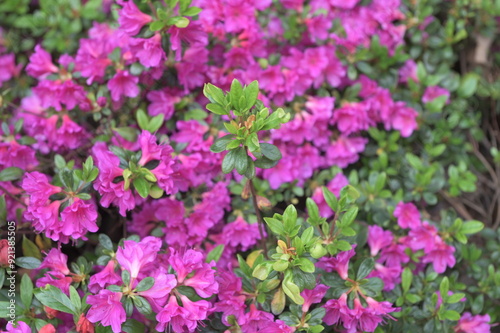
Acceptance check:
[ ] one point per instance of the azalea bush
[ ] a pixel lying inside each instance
(249, 166)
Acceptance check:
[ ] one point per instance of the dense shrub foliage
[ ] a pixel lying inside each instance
(249, 166)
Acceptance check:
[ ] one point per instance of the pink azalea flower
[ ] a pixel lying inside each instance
(346, 4)
(107, 309)
(255, 320)
(241, 233)
(148, 50)
(162, 154)
(185, 263)
(403, 119)
(390, 275)
(111, 193)
(182, 318)
(107, 276)
(313, 296)
(79, 218)
(473, 324)
(131, 19)
(158, 294)
(407, 215)
(13, 154)
(56, 279)
(345, 151)
(423, 237)
(8, 68)
(339, 263)
(56, 261)
(352, 117)
(40, 64)
(378, 239)
(163, 101)
(434, 92)
(408, 71)
(134, 256)
(21, 327)
(394, 255)
(337, 311)
(38, 188)
(440, 257)
(123, 84)
(203, 280)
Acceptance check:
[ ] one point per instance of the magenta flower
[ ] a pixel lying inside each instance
(13, 154)
(56, 261)
(131, 19)
(186, 263)
(163, 101)
(8, 68)
(473, 324)
(403, 119)
(123, 84)
(21, 327)
(434, 92)
(158, 294)
(151, 151)
(38, 188)
(348, 4)
(337, 311)
(79, 218)
(423, 237)
(345, 151)
(352, 117)
(111, 192)
(394, 255)
(203, 281)
(182, 318)
(440, 257)
(107, 276)
(40, 64)
(134, 256)
(107, 309)
(407, 215)
(56, 279)
(339, 263)
(241, 233)
(335, 185)
(313, 296)
(389, 275)
(378, 239)
(148, 50)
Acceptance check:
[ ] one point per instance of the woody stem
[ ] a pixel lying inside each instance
(259, 217)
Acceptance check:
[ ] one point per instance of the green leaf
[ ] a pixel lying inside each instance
(270, 151)
(275, 225)
(343, 245)
(220, 144)
(142, 305)
(141, 186)
(330, 198)
(106, 242)
(155, 123)
(407, 277)
(157, 25)
(468, 85)
(265, 163)
(75, 299)
(217, 109)
(215, 253)
(236, 93)
(472, 227)
(26, 289)
(451, 315)
(291, 289)
(55, 299)
(28, 262)
(145, 284)
(349, 216)
(192, 11)
(133, 326)
(241, 161)
(365, 268)
(262, 271)
(3, 210)
(84, 196)
(290, 217)
(214, 94)
(128, 133)
(250, 172)
(126, 277)
(10, 174)
(229, 161)
(142, 119)
(305, 265)
(455, 298)
(251, 93)
(30, 249)
(444, 287)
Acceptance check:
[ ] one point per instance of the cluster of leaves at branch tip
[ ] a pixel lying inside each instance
(247, 117)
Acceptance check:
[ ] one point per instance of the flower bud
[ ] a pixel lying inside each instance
(263, 203)
(51, 313)
(4, 253)
(245, 194)
(84, 325)
(49, 328)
